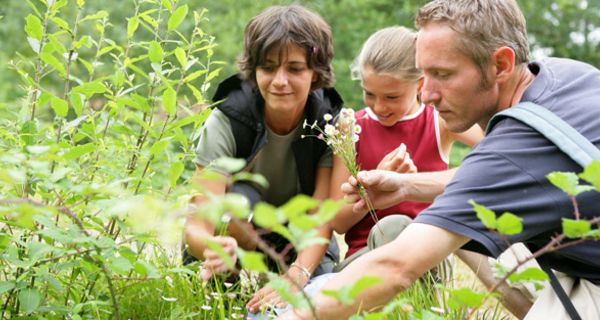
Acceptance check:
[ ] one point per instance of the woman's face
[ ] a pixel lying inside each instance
(285, 80)
(388, 97)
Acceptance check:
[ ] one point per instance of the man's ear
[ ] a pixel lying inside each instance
(504, 61)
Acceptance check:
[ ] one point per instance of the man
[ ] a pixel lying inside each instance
(474, 55)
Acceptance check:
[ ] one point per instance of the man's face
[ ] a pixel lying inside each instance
(453, 83)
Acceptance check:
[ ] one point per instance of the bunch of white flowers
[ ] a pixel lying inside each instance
(341, 134)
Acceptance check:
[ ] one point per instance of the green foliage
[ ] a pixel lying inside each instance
(568, 182)
(102, 124)
(348, 294)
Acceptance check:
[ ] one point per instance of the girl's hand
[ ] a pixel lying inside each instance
(398, 160)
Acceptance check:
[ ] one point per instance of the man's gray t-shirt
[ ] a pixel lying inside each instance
(507, 172)
(275, 161)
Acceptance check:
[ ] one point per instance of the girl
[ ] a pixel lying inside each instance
(399, 133)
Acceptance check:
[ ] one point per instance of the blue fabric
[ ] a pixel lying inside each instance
(507, 172)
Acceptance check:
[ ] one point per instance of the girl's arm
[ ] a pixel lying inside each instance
(345, 218)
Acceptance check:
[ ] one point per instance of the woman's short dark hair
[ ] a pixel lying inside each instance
(279, 26)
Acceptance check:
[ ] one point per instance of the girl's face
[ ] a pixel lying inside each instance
(285, 80)
(388, 97)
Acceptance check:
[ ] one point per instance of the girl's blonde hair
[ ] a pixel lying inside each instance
(389, 51)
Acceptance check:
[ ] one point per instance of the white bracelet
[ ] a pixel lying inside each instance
(303, 269)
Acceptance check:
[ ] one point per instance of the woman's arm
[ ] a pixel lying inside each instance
(307, 260)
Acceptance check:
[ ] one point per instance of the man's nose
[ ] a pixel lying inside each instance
(429, 92)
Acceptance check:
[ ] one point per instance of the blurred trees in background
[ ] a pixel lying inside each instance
(562, 28)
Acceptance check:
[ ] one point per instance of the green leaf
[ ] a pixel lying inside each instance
(509, 224)
(80, 3)
(120, 265)
(170, 101)
(529, 274)
(464, 297)
(30, 299)
(51, 60)
(6, 286)
(192, 76)
(228, 164)
(212, 74)
(177, 17)
(132, 24)
(265, 215)
(348, 294)
(362, 284)
(29, 130)
(77, 102)
(568, 182)
(180, 55)
(60, 23)
(575, 228)
(485, 215)
(90, 88)
(252, 260)
(175, 171)
(221, 253)
(159, 146)
(167, 4)
(96, 16)
(33, 27)
(299, 204)
(60, 106)
(236, 204)
(591, 174)
(78, 151)
(155, 52)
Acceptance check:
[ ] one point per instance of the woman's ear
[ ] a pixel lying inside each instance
(503, 60)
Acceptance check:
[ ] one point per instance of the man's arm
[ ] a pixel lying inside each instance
(389, 188)
(398, 264)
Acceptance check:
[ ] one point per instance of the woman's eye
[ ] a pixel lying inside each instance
(392, 97)
(296, 70)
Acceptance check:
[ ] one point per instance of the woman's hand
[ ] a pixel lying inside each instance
(267, 296)
(213, 263)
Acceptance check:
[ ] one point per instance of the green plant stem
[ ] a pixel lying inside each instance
(553, 245)
(38, 66)
(264, 247)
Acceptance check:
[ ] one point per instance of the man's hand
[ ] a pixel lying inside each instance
(383, 187)
(213, 263)
(398, 160)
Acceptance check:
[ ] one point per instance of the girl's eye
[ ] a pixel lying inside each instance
(391, 97)
(296, 70)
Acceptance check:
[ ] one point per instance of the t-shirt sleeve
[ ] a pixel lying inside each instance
(216, 139)
(494, 181)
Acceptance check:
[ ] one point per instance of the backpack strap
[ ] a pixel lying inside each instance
(569, 141)
(555, 129)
